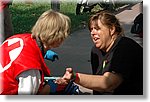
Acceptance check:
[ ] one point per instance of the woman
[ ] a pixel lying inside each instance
(117, 61)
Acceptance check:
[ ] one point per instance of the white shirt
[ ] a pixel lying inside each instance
(29, 82)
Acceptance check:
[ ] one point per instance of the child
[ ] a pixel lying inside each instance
(22, 66)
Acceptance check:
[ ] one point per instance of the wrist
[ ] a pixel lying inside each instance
(75, 76)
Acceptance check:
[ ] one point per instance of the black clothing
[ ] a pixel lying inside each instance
(125, 58)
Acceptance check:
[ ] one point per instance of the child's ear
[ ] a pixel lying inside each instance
(45, 47)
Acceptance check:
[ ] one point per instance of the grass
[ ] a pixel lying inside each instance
(24, 15)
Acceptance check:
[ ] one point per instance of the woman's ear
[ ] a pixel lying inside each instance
(112, 30)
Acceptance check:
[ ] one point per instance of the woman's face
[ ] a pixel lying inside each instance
(101, 36)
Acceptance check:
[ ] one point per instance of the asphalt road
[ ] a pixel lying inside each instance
(74, 52)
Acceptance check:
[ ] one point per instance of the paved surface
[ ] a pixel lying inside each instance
(75, 51)
(126, 18)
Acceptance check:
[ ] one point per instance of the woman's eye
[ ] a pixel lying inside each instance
(97, 28)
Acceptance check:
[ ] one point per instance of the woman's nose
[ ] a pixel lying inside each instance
(93, 32)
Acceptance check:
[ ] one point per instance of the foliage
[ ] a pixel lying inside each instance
(24, 15)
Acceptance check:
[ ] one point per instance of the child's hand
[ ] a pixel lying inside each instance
(57, 85)
(61, 81)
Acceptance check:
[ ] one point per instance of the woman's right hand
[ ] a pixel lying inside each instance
(68, 74)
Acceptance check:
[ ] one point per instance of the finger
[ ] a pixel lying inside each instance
(69, 70)
(61, 81)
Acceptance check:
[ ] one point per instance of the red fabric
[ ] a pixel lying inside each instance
(77, 77)
(18, 54)
(3, 4)
(60, 88)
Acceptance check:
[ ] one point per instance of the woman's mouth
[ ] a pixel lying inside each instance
(96, 39)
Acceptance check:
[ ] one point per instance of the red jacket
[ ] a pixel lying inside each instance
(4, 3)
(18, 54)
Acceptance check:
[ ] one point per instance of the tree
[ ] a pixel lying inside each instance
(55, 5)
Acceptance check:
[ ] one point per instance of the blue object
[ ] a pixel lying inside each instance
(51, 55)
(53, 86)
(71, 89)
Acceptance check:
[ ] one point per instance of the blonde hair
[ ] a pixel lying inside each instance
(51, 27)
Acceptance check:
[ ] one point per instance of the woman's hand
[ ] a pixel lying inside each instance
(68, 74)
(66, 78)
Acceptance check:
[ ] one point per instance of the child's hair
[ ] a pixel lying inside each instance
(51, 27)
